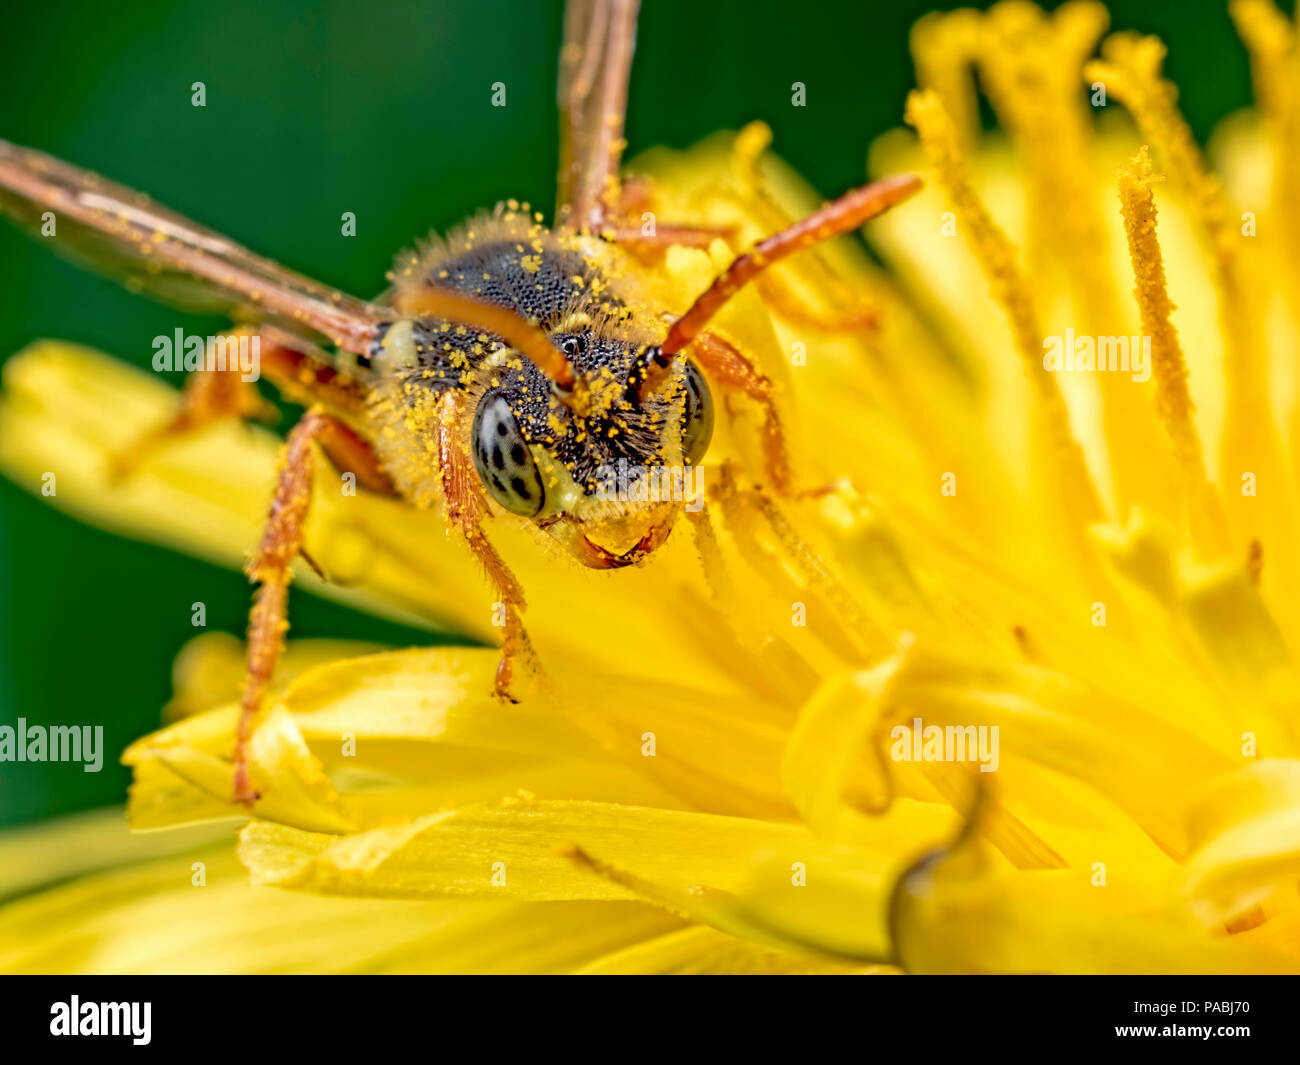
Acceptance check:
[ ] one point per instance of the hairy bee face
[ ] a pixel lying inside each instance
(594, 480)
(538, 459)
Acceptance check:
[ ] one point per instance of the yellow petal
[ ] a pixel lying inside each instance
(192, 756)
(1246, 830)
(460, 852)
(700, 951)
(955, 913)
(170, 908)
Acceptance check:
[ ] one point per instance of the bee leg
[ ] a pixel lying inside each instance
(305, 374)
(852, 314)
(213, 395)
(515, 646)
(725, 366)
(271, 566)
(656, 239)
(840, 216)
(638, 232)
(632, 224)
(208, 396)
(466, 510)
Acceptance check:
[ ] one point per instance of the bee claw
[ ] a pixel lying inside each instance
(243, 792)
(517, 671)
(501, 681)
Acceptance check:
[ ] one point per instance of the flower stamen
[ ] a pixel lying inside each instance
(943, 46)
(997, 258)
(1169, 366)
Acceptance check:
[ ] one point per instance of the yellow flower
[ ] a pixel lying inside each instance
(724, 767)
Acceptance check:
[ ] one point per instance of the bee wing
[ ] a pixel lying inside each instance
(120, 232)
(595, 62)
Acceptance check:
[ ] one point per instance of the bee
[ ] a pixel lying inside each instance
(502, 370)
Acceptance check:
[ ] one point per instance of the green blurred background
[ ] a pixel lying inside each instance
(383, 109)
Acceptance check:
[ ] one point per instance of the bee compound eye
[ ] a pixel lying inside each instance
(697, 415)
(501, 455)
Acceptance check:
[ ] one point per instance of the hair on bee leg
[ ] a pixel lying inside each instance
(747, 510)
(724, 364)
(466, 510)
(716, 574)
(271, 568)
(315, 566)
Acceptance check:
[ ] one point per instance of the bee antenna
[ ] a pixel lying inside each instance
(836, 218)
(519, 332)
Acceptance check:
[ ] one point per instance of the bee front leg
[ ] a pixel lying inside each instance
(516, 648)
(726, 367)
(271, 566)
(466, 509)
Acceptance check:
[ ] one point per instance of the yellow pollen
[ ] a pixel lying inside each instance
(1131, 72)
(1173, 401)
(943, 46)
(1030, 64)
(1131, 69)
(997, 258)
(746, 152)
(1275, 71)
(751, 143)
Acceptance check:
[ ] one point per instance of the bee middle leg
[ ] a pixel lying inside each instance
(271, 566)
(214, 395)
(208, 396)
(632, 224)
(466, 509)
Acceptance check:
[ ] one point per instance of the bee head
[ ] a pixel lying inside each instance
(609, 481)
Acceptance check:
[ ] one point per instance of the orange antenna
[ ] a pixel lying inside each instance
(836, 218)
(517, 331)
